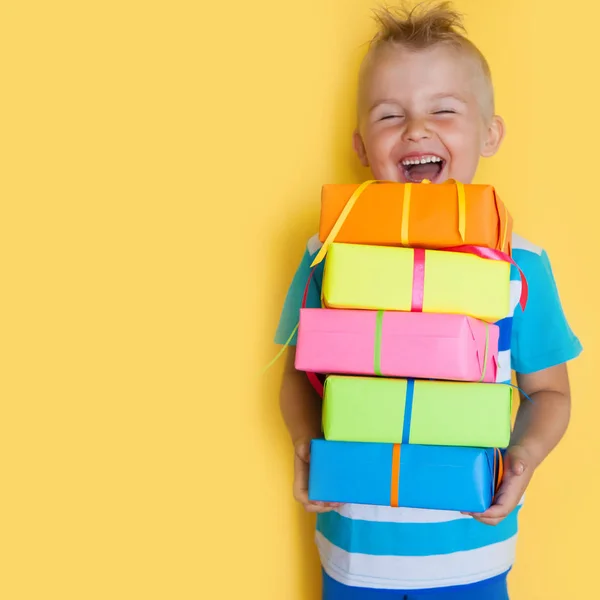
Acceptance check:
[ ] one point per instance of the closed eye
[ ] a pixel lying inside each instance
(388, 117)
(444, 112)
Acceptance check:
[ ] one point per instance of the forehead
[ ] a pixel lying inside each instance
(396, 72)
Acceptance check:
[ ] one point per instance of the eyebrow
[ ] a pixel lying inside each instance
(440, 96)
(445, 95)
(380, 102)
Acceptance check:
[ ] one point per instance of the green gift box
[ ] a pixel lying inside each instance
(408, 411)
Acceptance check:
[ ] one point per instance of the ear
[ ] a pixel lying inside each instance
(359, 148)
(494, 136)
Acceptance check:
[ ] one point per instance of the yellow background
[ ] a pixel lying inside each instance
(160, 173)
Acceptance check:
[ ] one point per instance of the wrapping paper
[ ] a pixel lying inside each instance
(397, 344)
(403, 279)
(435, 477)
(441, 413)
(417, 215)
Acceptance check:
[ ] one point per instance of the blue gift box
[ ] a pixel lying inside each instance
(435, 477)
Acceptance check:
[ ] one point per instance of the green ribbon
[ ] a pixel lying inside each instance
(377, 353)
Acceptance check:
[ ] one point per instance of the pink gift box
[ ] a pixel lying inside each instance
(397, 344)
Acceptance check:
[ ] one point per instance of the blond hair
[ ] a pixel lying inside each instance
(425, 25)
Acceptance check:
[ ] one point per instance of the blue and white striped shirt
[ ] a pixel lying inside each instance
(401, 548)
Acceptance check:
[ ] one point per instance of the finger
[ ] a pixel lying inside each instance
(509, 494)
(301, 495)
(487, 520)
(314, 507)
(496, 511)
(505, 501)
(306, 501)
(502, 507)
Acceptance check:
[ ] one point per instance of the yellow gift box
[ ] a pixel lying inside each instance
(415, 280)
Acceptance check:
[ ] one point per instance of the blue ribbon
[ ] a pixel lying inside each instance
(408, 406)
(516, 387)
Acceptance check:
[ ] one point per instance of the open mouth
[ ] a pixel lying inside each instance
(417, 168)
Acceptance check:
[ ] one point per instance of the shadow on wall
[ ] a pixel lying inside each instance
(296, 228)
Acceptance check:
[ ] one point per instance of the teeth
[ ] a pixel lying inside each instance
(421, 161)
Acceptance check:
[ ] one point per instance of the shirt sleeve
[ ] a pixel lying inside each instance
(541, 336)
(293, 301)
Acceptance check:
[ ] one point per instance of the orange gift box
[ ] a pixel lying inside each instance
(417, 215)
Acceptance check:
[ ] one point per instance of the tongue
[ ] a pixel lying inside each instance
(416, 173)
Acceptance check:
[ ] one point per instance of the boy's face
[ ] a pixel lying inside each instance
(421, 116)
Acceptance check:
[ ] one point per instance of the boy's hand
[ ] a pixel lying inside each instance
(519, 467)
(301, 470)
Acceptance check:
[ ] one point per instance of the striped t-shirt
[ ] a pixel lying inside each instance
(406, 549)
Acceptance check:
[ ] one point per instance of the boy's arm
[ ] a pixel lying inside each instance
(300, 405)
(301, 411)
(541, 344)
(539, 426)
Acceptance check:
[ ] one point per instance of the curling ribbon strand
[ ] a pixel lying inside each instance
(340, 221)
(485, 352)
(283, 349)
(312, 377)
(500, 470)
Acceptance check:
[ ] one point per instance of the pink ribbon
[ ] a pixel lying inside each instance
(496, 255)
(418, 285)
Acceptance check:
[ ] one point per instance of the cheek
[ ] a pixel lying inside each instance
(380, 142)
(462, 142)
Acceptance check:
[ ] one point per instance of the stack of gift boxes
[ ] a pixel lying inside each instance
(415, 278)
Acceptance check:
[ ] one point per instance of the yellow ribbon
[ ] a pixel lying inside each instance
(462, 205)
(283, 349)
(341, 219)
(485, 352)
(462, 209)
(405, 214)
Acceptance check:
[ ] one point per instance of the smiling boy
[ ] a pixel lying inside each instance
(426, 111)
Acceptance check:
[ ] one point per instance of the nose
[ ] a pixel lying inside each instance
(416, 130)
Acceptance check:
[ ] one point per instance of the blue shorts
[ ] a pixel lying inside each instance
(490, 589)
